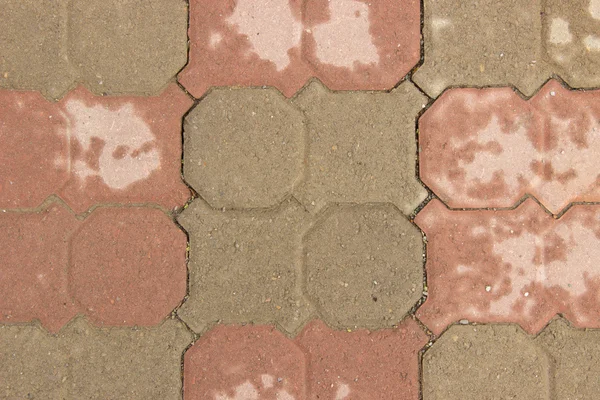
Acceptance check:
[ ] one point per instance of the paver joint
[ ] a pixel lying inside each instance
(299, 199)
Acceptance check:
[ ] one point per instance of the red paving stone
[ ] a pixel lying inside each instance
(233, 362)
(488, 147)
(363, 365)
(128, 266)
(237, 362)
(92, 149)
(123, 266)
(347, 44)
(33, 269)
(520, 266)
(362, 45)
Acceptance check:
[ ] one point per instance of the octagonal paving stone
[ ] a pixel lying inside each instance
(245, 266)
(83, 362)
(520, 266)
(90, 149)
(244, 362)
(363, 266)
(361, 147)
(244, 148)
(127, 266)
(112, 47)
(574, 353)
(484, 362)
(488, 147)
(350, 45)
(120, 266)
(361, 364)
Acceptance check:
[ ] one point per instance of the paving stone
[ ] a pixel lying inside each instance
(574, 354)
(245, 43)
(485, 362)
(482, 43)
(364, 266)
(28, 173)
(244, 362)
(113, 47)
(83, 362)
(571, 40)
(488, 148)
(244, 148)
(34, 256)
(363, 365)
(245, 266)
(125, 363)
(361, 147)
(128, 266)
(120, 266)
(350, 45)
(32, 52)
(92, 149)
(519, 266)
(31, 363)
(130, 46)
(359, 45)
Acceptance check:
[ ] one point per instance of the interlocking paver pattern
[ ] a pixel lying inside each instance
(519, 266)
(234, 362)
(371, 213)
(349, 45)
(113, 47)
(92, 149)
(83, 362)
(488, 147)
(119, 266)
(509, 43)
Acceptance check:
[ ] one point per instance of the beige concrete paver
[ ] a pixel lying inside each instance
(127, 46)
(83, 362)
(113, 47)
(244, 148)
(575, 354)
(32, 51)
(481, 43)
(485, 362)
(245, 266)
(361, 147)
(364, 266)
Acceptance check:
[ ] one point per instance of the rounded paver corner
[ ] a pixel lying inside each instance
(363, 266)
(244, 148)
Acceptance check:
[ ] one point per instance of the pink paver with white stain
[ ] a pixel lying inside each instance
(244, 363)
(348, 44)
(488, 147)
(520, 266)
(92, 149)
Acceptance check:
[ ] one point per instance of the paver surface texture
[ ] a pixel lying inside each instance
(299, 199)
